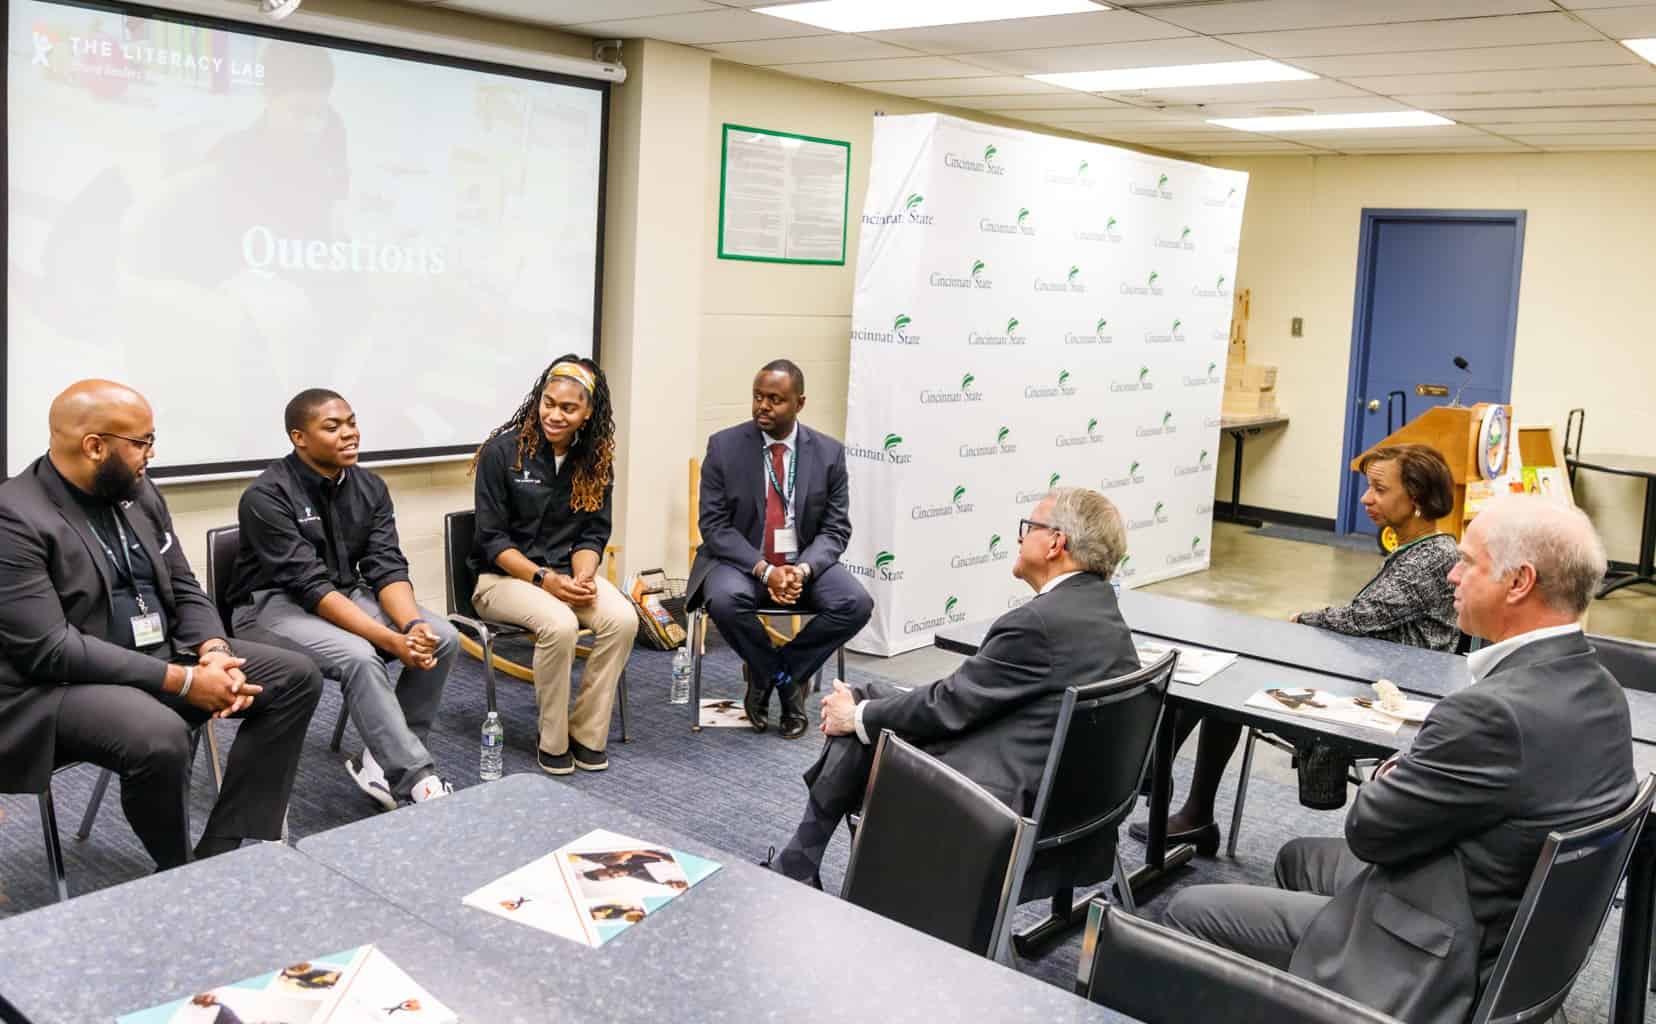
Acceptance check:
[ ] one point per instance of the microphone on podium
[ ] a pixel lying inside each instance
(1462, 365)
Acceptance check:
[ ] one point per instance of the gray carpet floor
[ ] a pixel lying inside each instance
(729, 788)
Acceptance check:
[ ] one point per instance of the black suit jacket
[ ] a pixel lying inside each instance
(1543, 743)
(732, 500)
(55, 611)
(993, 717)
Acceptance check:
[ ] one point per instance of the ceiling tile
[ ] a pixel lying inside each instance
(834, 46)
(1528, 128)
(1447, 103)
(1259, 92)
(1026, 33)
(1647, 138)
(1582, 5)
(1623, 22)
(1042, 103)
(1559, 114)
(1554, 147)
(1502, 81)
(1510, 30)
(993, 85)
(1361, 104)
(1149, 53)
(1277, 15)
(1485, 58)
(569, 12)
(893, 69)
(717, 26)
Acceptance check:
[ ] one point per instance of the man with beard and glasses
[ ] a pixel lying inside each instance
(111, 652)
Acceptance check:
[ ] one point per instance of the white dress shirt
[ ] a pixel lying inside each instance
(765, 467)
(1483, 660)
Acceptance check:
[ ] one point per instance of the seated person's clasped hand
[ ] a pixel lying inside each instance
(220, 687)
(839, 711)
(785, 584)
(578, 590)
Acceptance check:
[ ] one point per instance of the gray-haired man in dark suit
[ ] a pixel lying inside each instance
(1408, 912)
(992, 719)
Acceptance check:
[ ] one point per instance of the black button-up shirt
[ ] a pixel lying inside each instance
(528, 509)
(310, 536)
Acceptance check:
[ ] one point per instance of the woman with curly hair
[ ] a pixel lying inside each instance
(544, 484)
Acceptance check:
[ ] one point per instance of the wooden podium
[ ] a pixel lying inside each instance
(1452, 430)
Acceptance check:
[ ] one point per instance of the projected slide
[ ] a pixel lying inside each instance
(221, 219)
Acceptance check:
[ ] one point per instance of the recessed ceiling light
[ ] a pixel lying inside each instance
(881, 15)
(1326, 122)
(1176, 76)
(1645, 48)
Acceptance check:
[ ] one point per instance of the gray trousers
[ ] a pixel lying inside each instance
(1262, 923)
(393, 721)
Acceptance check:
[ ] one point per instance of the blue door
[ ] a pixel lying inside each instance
(1431, 285)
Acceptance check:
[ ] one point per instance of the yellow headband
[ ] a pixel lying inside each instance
(577, 373)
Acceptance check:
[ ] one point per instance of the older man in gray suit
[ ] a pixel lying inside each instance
(992, 718)
(1408, 913)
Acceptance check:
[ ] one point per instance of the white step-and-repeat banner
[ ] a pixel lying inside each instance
(1030, 312)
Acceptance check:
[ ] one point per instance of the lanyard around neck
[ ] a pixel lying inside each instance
(131, 577)
(770, 473)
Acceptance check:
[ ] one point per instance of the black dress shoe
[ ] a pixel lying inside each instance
(756, 701)
(815, 881)
(794, 719)
(1205, 838)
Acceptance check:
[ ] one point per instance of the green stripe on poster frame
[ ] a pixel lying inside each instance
(724, 185)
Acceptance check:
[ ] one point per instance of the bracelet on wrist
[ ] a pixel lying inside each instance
(219, 648)
(189, 677)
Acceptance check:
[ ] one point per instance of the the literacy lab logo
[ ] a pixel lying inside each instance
(883, 570)
(1150, 286)
(890, 451)
(1183, 241)
(986, 164)
(957, 505)
(1007, 336)
(1172, 335)
(1004, 445)
(1204, 380)
(1140, 381)
(1163, 426)
(1203, 464)
(1194, 553)
(965, 393)
(1099, 336)
(1218, 291)
(994, 551)
(1071, 283)
(1059, 388)
(1022, 224)
(1151, 185)
(912, 212)
(1128, 478)
(977, 276)
(1080, 178)
(953, 612)
(1089, 436)
(1107, 233)
(901, 333)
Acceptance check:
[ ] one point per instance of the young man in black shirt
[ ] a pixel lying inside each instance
(320, 572)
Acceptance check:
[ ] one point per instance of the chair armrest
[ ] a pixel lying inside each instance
(1156, 975)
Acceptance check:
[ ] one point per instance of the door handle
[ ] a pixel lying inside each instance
(1374, 405)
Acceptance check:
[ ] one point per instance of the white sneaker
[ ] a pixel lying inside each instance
(370, 778)
(430, 788)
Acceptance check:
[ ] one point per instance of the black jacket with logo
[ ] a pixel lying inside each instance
(528, 509)
(311, 536)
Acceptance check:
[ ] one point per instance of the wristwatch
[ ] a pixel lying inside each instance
(540, 575)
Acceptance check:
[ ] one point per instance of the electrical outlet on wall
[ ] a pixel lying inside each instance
(1296, 327)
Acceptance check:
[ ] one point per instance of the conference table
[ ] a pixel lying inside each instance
(1279, 653)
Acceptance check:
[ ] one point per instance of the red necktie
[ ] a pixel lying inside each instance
(775, 513)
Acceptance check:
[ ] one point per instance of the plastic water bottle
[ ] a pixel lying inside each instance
(491, 764)
(1115, 583)
(680, 692)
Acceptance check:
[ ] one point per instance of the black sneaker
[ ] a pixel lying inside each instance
(555, 764)
(587, 759)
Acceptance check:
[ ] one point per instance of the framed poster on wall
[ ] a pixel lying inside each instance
(783, 198)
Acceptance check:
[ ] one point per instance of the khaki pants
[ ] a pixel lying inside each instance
(555, 625)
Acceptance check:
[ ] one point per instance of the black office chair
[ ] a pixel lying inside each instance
(459, 529)
(1160, 976)
(1632, 662)
(1101, 749)
(936, 851)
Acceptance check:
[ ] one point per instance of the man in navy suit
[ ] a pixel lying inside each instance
(775, 518)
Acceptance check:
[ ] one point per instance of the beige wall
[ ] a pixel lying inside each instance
(1585, 305)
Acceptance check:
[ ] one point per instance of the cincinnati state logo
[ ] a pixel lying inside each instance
(1034, 495)
(1003, 446)
(1079, 178)
(984, 163)
(992, 552)
(1218, 291)
(977, 276)
(1228, 199)
(1184, 241)
(1008, 336)
(1071, 283)
(1161, 427)
(1129, 478)
(1160, 188)
(1151, 285)
(1138, 382)
(1100, 334)
(964, 393)
(1125, 569)
(1211, 377)
(912, 212)
(1088, 436)
(957, 505)
(901, 333)
(889, 451)
(1173, 334)
(953, 612)
(1019, 225)
(1194, 553)
(1156, 517)
(1107, 233)
(1203, 464)
(1060, 388)
(884, 568)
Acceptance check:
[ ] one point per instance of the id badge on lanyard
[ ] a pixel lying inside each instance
(784, 541)
(147, 630)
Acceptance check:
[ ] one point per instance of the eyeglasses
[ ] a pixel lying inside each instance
(1026, 525)
(147, 442)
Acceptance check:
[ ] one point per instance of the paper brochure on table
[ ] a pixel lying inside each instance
(594, 888)
(355, 986)
(1326, 707)
(1196, 664)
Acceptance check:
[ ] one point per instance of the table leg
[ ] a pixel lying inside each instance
(1645, 572)
(1627, 1004)
(1234, 515)
(1159, 861)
